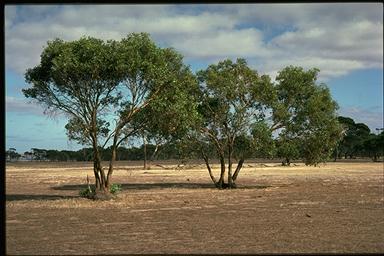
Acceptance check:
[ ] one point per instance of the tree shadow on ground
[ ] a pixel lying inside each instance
(149, 186)
(20, 197)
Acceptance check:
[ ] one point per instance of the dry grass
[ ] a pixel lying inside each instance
(337, 207)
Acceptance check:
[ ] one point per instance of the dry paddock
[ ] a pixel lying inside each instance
(334, 208)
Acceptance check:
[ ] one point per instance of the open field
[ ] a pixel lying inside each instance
(337, 207)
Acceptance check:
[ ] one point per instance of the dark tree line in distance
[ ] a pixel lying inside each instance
(357, 142)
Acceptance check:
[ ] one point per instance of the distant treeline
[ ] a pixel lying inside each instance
(357, 142)
(86, 154)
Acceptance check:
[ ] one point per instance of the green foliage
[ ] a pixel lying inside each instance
(355, 138)
(115, 188)
(78, 78)
(263, 143)
(88, 192)
(358, 141)
(232, 98)
(318, 145)
(288, 148)
(171, 114)
(306, 112)
(243, 147)
(11, 154)
(164, 87)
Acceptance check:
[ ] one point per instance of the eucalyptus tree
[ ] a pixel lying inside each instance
(304, 113)
(79, 79)
(233, 99)
(237, 106)
(11, 154)
(374, 146)
(354, 137)
(102, 86)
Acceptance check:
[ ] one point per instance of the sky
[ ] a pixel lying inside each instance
(343, 40)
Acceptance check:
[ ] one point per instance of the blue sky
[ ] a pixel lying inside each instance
(343, 40)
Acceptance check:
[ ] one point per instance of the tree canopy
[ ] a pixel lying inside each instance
(237, 105)
(102, 87)
(232, 99)
(305, 111)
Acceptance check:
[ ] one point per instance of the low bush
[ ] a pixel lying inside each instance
(115, 188)
(90, 191)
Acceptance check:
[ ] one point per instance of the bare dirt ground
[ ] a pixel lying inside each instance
(334, 208)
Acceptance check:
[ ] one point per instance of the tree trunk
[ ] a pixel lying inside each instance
(145, 152)
(230, 181)
(100, 170)
(238, 168)
(220, 183)
(102, 193)
(101, 190)
(152, 156)
(96, 164)
(111, 164)
(114, 147)
(97, 177)
(288, 161)
(209, 169)
(336, 154)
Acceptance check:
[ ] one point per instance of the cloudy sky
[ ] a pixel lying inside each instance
(343, 40)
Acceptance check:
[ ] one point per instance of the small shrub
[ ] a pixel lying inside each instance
(87, 192)
(115, 188)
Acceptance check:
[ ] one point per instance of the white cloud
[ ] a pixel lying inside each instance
(360, 41)
(17, 105)
(246, 43)
(337, 38)
(329, 68)
(304, 15)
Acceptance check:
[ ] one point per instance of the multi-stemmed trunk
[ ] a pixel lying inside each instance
(220, 184)
(114, 147)
(101, 180)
